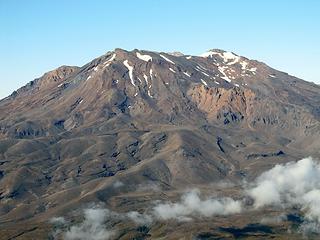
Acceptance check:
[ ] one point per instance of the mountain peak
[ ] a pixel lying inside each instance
(218, 52)
(131, 124)
(176, 54)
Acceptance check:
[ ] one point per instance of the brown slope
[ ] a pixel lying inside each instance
(173, 121)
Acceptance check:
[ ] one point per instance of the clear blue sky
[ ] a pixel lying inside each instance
(38, 36)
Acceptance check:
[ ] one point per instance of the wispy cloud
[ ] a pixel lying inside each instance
(140, 219)
(92, 227)
(118, 184)
(58, 221)
(149, 186)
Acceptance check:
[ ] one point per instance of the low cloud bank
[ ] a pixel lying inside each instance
(292, 185)
(94, 227)
(192, 205)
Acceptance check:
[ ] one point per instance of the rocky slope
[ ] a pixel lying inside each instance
(140, 118)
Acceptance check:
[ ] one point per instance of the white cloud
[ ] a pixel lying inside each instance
(265, 193)
(295, 184)
(273, 219)
(224, 184)
(118, 184)
(58, 221)
(140, 219)
(310, 227)
(192, 205)
(92, 228)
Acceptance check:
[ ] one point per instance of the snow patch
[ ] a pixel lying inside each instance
(187, 74)
(108, 62)
(167, 59)
(222, 71)
(226, 56)
(200, 66)
(244, 65)
(209, 54)
(189, 57)
(151, 76)
(151, 73)
(130, 68)
(205, 74)
(149, 93)
(146, 78)
(204, 82)
(145, 58)
(172, 70)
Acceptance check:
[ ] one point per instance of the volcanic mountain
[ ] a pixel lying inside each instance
(133, 127)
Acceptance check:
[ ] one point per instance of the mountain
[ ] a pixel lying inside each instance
(133, 127)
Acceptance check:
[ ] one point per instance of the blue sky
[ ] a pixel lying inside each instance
(38, 36)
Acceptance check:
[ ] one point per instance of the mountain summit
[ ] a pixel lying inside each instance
(154, 124)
